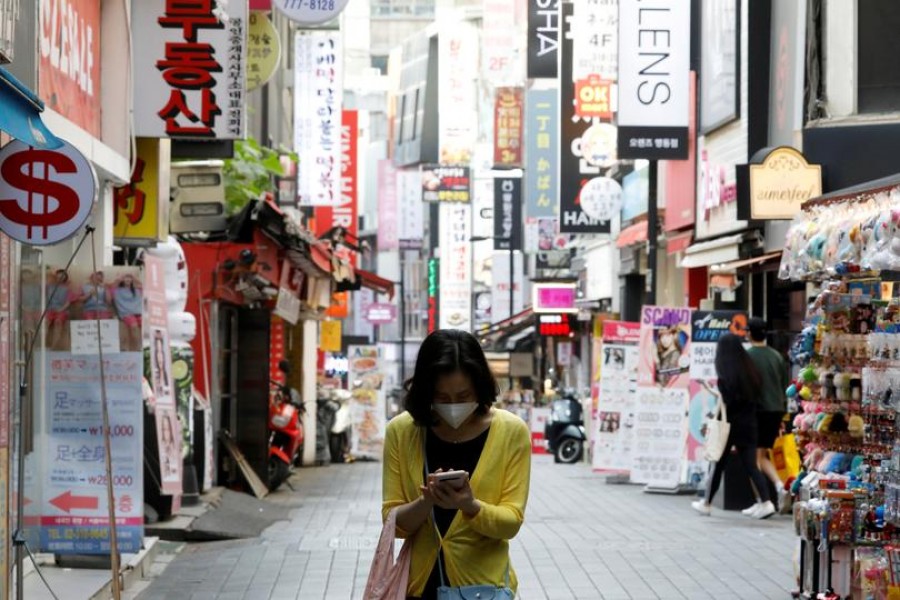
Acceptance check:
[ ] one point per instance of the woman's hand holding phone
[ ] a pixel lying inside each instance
(451, 490)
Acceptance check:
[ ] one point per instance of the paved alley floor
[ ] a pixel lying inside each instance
(582, 538)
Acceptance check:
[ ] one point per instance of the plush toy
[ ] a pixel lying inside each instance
(838, 423)
(805, 392)
(823, 422)
(808, 375)
(856, 466)
(856, 426)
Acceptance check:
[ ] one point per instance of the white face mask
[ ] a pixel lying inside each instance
(455, 415)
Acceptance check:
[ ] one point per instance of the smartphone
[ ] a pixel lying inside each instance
(449, 475)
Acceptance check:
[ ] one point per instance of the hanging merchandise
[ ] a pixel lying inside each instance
(847, 393)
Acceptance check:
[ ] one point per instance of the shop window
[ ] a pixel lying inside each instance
(380, 63)
(878, 47)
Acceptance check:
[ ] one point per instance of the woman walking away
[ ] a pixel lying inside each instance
(460, 527)
(738, 383)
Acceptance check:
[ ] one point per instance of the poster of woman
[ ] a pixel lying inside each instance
(665, 347)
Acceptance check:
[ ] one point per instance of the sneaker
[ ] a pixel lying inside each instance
(782, 499)
(702, 507)
(749, 511)
(765, 510)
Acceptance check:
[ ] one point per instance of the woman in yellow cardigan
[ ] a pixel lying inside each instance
(449, 414)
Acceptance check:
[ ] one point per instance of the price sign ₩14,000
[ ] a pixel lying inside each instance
(45, 195)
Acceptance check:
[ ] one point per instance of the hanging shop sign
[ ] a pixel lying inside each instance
(287, 305)
(509, 105)
(615, 367)
(543, 38)
(367, 404)
(458, 101)
(594, 98)
(507, 213)
(411, 218)
(330, 336)
(574, 169)
(555, 325)
(720, 57)
(434, 279)
(601, 198)
(501, 280)
(549, 238)
(499, 41)
(654, 78)
(596, 30)
(311, 12)
(665, 347)
(779, 181)
(343, 213)
(45, 195)
(554, 297)
(263, 50)
(189, 74)
(541, 156)
(140, 217)
(69, 67)
(446, 183)
(318, 98)
(455, 292)
(707, 327)
(381, 313)
(388, 209)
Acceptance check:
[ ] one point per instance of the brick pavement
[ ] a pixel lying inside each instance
(582, 538)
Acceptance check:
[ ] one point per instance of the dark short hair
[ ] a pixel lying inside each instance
(758, 329)
(443, 352)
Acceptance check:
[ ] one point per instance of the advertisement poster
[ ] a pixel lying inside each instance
(446, 183)
(706, 329)
(660, 432)
(75, 512)
(168, 430)
(367, 405)
(455, 290)
(615, 421)
(665, 347)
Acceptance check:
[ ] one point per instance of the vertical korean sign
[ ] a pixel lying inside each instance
(6, 377)
(318, 98)
(541, 154)
(74, 511)
(499, 46)
(388, 213)
(507, 213)
(411, 217)
(508, 124)
(654, 78)
(189, 73)
(457, 103)
(69, 68)
(139, 215)
(614, 425)
(168, 430)
(456, 266)
(343, 213)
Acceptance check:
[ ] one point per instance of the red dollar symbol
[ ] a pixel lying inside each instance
(66, 197)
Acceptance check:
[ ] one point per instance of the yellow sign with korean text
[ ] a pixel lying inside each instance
(263, 50)
(330, 336)
(142, 206)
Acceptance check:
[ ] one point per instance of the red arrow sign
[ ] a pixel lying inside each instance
(67, 502)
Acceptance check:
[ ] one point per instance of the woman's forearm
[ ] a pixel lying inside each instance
(410, 516)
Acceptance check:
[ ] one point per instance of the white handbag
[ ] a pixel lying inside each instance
(717, 430)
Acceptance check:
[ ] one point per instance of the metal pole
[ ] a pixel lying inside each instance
(512, 281)
(652, 226)
(402, 318)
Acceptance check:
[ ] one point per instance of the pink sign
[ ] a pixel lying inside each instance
(381, 313)
(554, 297)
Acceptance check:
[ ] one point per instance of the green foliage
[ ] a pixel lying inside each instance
(251, 173)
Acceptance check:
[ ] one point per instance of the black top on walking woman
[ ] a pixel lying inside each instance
(738, 382)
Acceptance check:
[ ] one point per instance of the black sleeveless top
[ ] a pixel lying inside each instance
(449, 456)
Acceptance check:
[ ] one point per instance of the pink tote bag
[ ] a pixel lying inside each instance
(388, 579)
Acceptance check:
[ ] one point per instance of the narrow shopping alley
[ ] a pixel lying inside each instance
(582, 538)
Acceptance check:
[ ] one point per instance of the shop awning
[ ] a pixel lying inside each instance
(20, 114)
(748, 263)
(679, 242)
(377, 284)
(633, 234)
(720, 250)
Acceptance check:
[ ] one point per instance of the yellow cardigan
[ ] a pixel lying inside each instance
(476, 550)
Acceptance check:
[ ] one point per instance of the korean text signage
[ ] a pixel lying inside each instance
(139, 215)
(457, 62)
(541, 139)
(263, 50)
(189, 73)
(555, 325)
(507, 213)
(575, 169)
(553, 298)
(499, 37)
(381, 313)
(596, 49)
(508, 124)
(388, 209)
(654, 78)
(45, 195)
(455, 291)
(543, 38)
(782, 183)
(707, 327)
(434, 278)
(69, 71)
(318, 97)
(616, 369)
(446, 183)
(310, 12)
(411, 217)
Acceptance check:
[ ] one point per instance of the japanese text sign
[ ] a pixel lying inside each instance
(318, 97)
(508, 125)
(541, 154)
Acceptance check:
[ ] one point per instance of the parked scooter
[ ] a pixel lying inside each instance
(285, 429)
(564, 432)
(339, 441)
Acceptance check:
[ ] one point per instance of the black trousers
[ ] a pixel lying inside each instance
(747, 456)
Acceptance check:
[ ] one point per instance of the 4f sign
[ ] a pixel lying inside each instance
(311, 12)
(45, 195)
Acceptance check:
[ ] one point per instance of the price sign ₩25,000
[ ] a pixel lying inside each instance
(45, 195)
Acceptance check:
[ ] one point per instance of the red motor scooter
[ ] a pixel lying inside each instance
(285, 429)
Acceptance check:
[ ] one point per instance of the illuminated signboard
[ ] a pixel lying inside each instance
(433, 282)
(555, 325)
(553, 298)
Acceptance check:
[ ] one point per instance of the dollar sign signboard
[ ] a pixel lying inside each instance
(45, 195)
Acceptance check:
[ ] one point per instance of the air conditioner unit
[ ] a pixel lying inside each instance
(198, 197)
